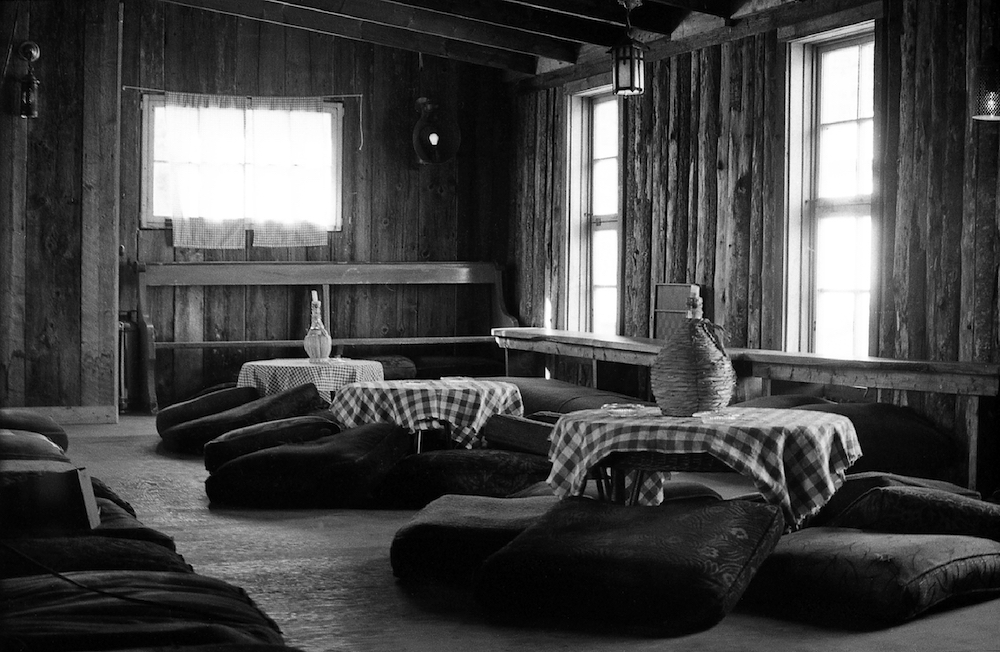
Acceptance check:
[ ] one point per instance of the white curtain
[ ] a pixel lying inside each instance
(225, 164)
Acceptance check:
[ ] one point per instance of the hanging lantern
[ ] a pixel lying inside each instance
(27, 104)
(628, 70)
(986, 102)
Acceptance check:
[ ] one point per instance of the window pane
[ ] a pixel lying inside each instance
(605, 129)
(866, 102)
(835, 318)
(605, 257)
(839, 85)
(838, 160)
(605, 311)
(605, 187)
(843, 261)
(866, 156)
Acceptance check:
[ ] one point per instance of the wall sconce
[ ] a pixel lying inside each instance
(435, 137)
(986, 103)
(628, 70)
(28, 85)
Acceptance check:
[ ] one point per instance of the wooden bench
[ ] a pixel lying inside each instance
(970, 382)
(321, 276)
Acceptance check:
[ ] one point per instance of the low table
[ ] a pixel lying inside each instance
(796, 458)
(329, 375)
(460, 405)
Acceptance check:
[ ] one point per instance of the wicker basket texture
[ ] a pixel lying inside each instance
(692, 372)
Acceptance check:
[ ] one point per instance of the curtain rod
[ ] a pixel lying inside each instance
(359, 96)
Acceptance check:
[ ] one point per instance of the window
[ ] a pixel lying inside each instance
(217, 166)
(595, 226)
(831, 110)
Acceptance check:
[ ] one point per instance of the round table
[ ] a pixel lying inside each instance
(329, 374)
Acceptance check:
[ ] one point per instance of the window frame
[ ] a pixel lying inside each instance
(581, 223)
(802, 208)
(151, 101)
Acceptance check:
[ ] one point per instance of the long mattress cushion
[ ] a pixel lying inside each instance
(448, 539)
(418, 479)
(519, 434)
(677, 567)
(211, 401)
(191, 436)
(853, 577)
(336, 471)
(20, 557)
(27, 445)
(26, 419)
(118, 523)
(268, 434)
(897, 440)
(551, 395)
(122, 609)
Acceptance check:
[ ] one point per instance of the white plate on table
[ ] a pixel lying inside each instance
(623, 409)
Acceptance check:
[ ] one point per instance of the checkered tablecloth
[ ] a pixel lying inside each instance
(464, 404)
(273, 376)
(796, 458)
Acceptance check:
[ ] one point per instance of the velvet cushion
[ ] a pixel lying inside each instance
(448, 539)
(266, 435)
(519, 434)
(127, 610)
(897, 440)
(676, 567)
(33, 556)
(26, 419)
(336, 471)
(395, 367)
(854, 577)
(119, 524)
(418, 479)
(436, 366)
(26, 445)
(549, 394)
(921, 510)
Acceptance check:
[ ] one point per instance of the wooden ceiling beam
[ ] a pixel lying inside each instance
(710, 7)
(360, 30)
(655, 18)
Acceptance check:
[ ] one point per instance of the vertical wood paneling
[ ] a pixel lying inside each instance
(644, 219)
(708, 154)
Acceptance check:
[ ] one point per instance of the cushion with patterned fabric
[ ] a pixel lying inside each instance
(674, 568)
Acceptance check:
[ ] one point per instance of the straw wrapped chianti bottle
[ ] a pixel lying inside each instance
(692, 372)
(317, 341)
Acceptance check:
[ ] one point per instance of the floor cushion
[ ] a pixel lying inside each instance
(549, 394)
(212, 401)
(32, 556)
(448, 539)
(437, 366)
(519, 434)
(117, 523)
(336, 471)
(672, 568)
(27, 445)
(191, 436)
(854, 578)
(395, 367)
(26, 419)
(420, 478)
(897, 439)
(268, 434)
(128, 609)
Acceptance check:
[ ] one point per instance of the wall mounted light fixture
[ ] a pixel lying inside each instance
(28, 91)
(435, 137)
(628, 70)
(986, 102)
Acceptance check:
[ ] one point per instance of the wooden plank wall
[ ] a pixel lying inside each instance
(58, 206)
(394, 208)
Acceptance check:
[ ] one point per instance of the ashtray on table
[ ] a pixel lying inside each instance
(623, 409)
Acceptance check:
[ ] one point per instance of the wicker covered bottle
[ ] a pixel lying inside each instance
(317, 341)
(692, 372)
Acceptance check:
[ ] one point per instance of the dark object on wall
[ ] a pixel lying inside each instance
(986, 103)
(28, 88)
(435, 137)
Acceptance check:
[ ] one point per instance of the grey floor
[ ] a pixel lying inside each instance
(325, 578)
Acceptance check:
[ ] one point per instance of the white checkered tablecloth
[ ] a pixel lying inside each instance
(796, 458)
(329, 375)
(465, 404)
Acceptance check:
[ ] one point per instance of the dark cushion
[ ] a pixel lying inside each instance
(117, 523)
(897, 440)
(33, 556)
(857, 485)
(266, 435)
(549, 394)
(128, 610)
(213, 400)
(26, 445)
(336, 471)
(921, 510)
(448, 539)
(519, 434)
(26, 419)
(436, 366)
(677, 567)
(395, 367)
(41, 491)
(856, 578)
(783, 401)
(418, 479)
